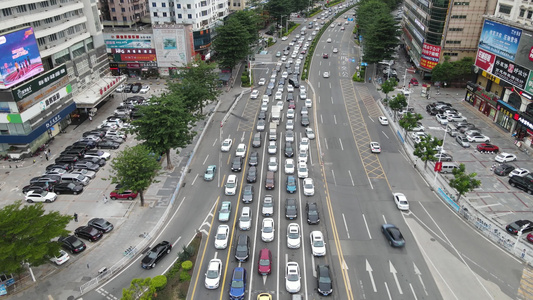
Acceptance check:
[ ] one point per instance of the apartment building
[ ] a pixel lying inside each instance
(124, 13)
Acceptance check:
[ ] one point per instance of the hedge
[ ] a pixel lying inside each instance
(159, 282)
(186, 265)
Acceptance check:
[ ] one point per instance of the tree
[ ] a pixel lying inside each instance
(278, 8)
(397, 103)
(366, 12)
(249, 20)
(166, 124)
(410, 121)
(389, 86)
(381, 38)
(26, 235)
(198, 85)
(427, 148)
(134, 169)
(457, 71)
(462, 182)
(442, 72)
(140, 289)
(231, 43)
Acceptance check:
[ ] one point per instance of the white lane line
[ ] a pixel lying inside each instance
(346, 226)
(195, 177)
(326, 143)
(342, 147)
(385, 134)
(313, 264)
(318, 99)
(388, 292)
(215, 142)
(319, 81)
(384, 219)
(330, 88)
(367, 229)
(413, 290)
(370, 182)
(335, 119)
(331, 97)
(371, 119)
(206, 158)
(321, 119)
(334, 180)
(351, 178)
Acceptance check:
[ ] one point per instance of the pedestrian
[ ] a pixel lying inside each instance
(523, 254)
(48, 151)
(105, 198)
(46, 155)
(90, 118)
(75, 217)
(88, 266)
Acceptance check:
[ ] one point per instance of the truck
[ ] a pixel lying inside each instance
(272, 131)
(275, 114)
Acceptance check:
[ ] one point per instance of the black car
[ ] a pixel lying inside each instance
(252, 175)
(89, 233)
(108, 145)
(242, 249)
(66, 159)
(95, 160)
(53, 179)
(88, 144)
(39, 187)
(254, 159)
(64, 166)
(515, 227)
(523, 183)
(291, 210)
(74, 152)
(323, 279)
(503, 169)
(304, 120)
(313, 216)
(97, 132)
(393, 235)
(236, 165)
(136, 88)
(256, 142)
(261, 115)
(87, 165)
(157, 252)
(72, 243)
(128, 88)
(101, 224)
(268, 92)
(289, 150)
(68, 188)
(248, 193)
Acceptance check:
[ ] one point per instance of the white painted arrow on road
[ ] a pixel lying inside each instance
(369, 270)
(419, 274)
(393, 271)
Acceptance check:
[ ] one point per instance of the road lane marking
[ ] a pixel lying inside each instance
(215, 142)
(351, 178)
(384, 219)
(321, 119)
(342, 147)
(333, 174)
(194, 180)
(413, 290)
(369, 270)
(419, 274)
(392, 269)
(388, 292)
(385, 134)
(335, 119)
(346, 226)
(367, 229)
(206, 159)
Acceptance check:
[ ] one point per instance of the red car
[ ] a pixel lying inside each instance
(302, 52)
(484, 147)
(414, 81)
(292, 104)
(530, 237)
(265, 262)
(325, 55)
(130, 195)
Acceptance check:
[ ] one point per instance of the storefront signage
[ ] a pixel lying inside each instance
(132, 51)
(511, 72)
(38, 83)
(485, 60)
(500, 39)
(128, 43)
(529, 84)
(430, 56)
(491, 77)
(525, 122)
(41, 94)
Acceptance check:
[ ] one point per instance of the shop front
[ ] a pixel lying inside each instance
(471, 88)
(524, 128)
(506, 116)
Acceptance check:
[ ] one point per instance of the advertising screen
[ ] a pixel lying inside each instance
(19, 57)
(500, 39)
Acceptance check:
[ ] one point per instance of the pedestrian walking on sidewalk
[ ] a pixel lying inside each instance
(75, 217)
(105, 198)
(46, 155)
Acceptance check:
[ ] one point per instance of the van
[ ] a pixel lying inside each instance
(448, 167)
(270, 182)
(75, 178)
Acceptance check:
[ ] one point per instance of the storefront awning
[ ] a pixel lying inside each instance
(98, 91)
(506, 105)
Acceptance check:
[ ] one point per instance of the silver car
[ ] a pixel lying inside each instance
(268, 206)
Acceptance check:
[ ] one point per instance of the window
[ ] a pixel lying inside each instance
(61, 34)
(57, 18)
(188, 6)
(455, 29)
(114, 18)
(53, 2)
(529, 14)
(124, 18)
(6, 12)
(522, 13)
(112, 9)
(36, 23)
(504, 9)
(453, 42)
(179, 16)
(154, 4)
(164, 14)
(204, 13)
(461, 3)
(123, 9)
(21, 9)
(48, 21)
(458, 16)
(32, 6)
(53, 37)
(41, 41)
(44, 4)
(155, 13)
(178, 5)
(163, 4)
(70, 30)
(203, 3)
(189, 16)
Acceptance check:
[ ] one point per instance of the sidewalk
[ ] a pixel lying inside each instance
(63, 282)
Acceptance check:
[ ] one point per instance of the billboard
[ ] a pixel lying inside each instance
(510, 72)
(19, 57)
(485, 60)
(524, 54)
(120, 54)
(500, 39)
(430, 56)
(128, 43)
(171, 45)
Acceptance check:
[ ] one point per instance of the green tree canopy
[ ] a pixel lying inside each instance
(232, 42)
(462, 182)
(167, 123)
(249, 19)
(135, 169)
(427, 148)
(397, 103)
(457, 71)
(278, 8)
(410, 121)
(381, 38)
(139, 289)
(389, 86)
(26, 235)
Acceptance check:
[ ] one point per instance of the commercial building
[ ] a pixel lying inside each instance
(124, 13)
(435, 29)
(53, 70)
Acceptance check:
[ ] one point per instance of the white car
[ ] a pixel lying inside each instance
(266, 99)
(303, 95)
(280, 105)
(61, 258)
(401, 201)
(289, 166)
(264, 107)
(43, 196)
(283, 58)
(284, 38)
(290, 88)
(309, 187)
(254, 94)
(383, 120)
(456, 118)
(213, 273)
(442, 119)
(278, 95)
(519, 172)
(272, 147)
(262, 81)
(285, 74)
(309, 133)
(329, 39)
(318, 246)
(97, 154)
(267, 230)
(231, 185)
(325, 74)
(290, 113)
(120, 88)
(478, 138)
(335, 50)
(308, 103)
(293, 236)
(505, 157)
(302, 156)
(273, 164)
(226, 145)
(84, 172)
(260, 125)
(245, 220)
(289, 136)
(222, 237)
(303, 172)
(292, 278)
(304, 144)
(144, 89)
(289, 124)
(241, 150)
(374, 147)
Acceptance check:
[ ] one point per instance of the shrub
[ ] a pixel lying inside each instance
(159, 282)
(186, 265)
(184, 276)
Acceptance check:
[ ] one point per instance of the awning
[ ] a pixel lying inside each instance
(506, 105)
(98, 91)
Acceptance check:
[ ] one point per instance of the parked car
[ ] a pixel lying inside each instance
(73, 244)
(519, 172)
(101, 224)
(38, 187)
(463, 141)
(89, 233)
(156, 254)
(61, 258)
(503, 169)
(516, 226)
(505, 157)
(523, 183)
(127, 194)
(40, 196)
(68, 188)
(484, 147)
(108, 144)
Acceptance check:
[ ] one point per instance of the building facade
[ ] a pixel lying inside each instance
(53, 69)
(435, 29)
(124, 13)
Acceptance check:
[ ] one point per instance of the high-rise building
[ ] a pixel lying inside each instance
(201, 14)
(125, 13)
(53, 69)
(435, 29)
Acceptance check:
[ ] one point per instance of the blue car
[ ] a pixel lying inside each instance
(291, 184)
(210, 172)
(238, 284)
(393, 235)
